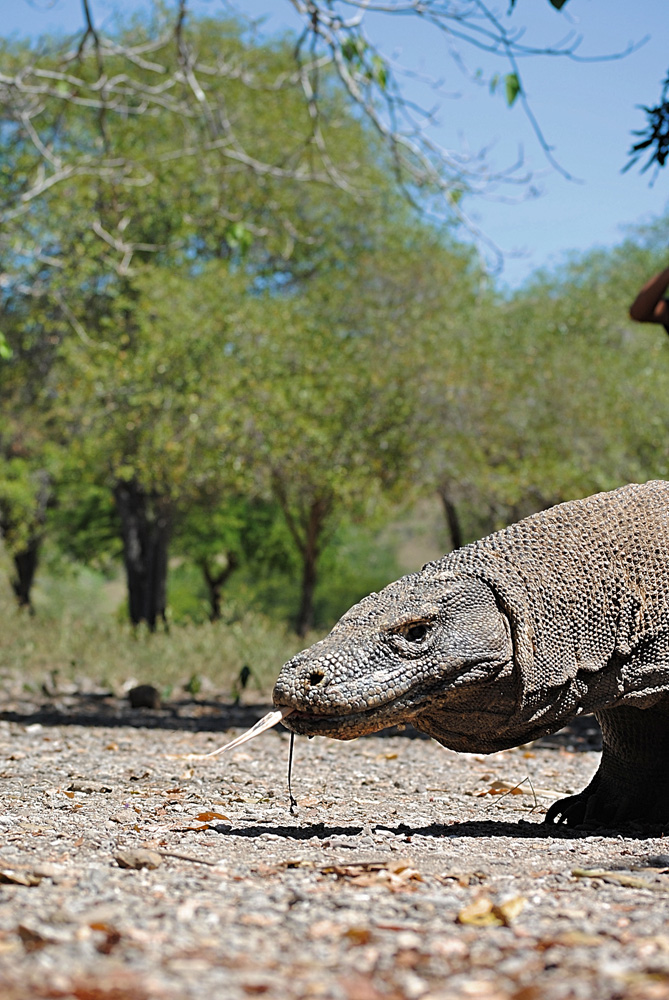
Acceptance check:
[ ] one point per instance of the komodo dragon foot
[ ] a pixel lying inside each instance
(631, 785)
(603, 804)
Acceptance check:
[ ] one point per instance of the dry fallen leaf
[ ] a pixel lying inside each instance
(358, 935)
(618, 878)
(256, 988)
(482, 912)
(510, 909)
(501, 788)
(111, 936)
(10, 876)
(570, 939)
(394, 874)
(479, 913)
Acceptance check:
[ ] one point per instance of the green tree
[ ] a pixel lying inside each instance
(546, 396)
(28, 459)
(24, 496)
(150, 419)
(223, 533)
(125, 189)
(335, 376)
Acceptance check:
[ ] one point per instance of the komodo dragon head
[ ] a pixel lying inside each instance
(431, 649)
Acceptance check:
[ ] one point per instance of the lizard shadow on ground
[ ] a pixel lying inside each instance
(313, 830)
(435, 830)
(211, 715)
(519, 830)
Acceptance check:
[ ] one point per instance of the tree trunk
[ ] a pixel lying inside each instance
(305, 615)
(25, 565)
(26, 559)
(452, 519)
(306, 528)
(215, 583)
(310, 550)
(145, 529)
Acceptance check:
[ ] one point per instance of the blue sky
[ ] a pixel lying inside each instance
(586, 111)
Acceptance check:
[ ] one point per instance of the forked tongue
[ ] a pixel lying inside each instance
(266, 722)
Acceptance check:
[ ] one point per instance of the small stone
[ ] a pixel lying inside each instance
(138, 858)
(89, 787)
(657, 861)
(408, 940)
(45, 869)
(126, 816)
(144, 696)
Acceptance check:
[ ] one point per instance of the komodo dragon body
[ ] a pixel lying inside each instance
(508, 639)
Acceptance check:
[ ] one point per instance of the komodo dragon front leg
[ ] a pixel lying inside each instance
(631, 783)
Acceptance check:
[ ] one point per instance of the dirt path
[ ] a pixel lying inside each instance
(406, 872)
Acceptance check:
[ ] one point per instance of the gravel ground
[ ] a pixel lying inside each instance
(128, 872)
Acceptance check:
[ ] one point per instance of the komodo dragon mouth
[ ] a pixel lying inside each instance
(349, 725)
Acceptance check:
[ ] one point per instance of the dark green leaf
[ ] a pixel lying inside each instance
(5, 349)
(512, 88)
(379, 72)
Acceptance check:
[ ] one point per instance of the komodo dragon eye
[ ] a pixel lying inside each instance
(415, 631)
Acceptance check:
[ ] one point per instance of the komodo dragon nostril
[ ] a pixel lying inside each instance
(315, 677)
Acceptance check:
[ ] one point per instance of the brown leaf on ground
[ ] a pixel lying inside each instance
(358, 935)
(510, 909)
(571, 939)
(395, 875)
(109, 937)
(479, 913)
(618, 878)
(482, 912)
(527, 993)
(12, 876)
(500, 787)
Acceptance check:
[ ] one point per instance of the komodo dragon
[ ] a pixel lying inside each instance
(509, 638)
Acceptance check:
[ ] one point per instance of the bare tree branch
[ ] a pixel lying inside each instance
(161, 76)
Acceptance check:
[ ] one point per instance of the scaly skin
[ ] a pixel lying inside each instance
(508, 639)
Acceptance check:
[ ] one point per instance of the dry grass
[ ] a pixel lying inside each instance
(77, 632)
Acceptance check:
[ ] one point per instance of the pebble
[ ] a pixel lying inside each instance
(137, 859)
